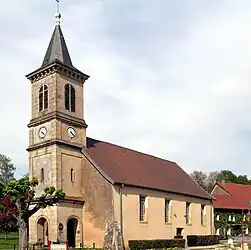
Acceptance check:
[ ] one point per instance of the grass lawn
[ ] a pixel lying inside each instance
(12, 239)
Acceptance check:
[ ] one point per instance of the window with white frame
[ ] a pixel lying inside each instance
(142, 208)
(167, 210)
(188, 205)
(203, 213)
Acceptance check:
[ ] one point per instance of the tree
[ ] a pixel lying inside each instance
(7, 221)
(229, 176)
(200, 177)
(207, 181)
(5, 227)
(212, 178)
(22, 195)
(243, 179)
(7, 169)
(26, 175)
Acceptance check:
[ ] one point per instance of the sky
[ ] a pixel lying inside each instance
(169, 78)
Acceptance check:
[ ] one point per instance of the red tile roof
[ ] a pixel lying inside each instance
(238, 196)
(126, 166)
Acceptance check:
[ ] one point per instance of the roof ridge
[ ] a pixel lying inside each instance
(240, 184)
(136, 151)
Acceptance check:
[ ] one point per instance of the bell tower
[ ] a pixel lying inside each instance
(57, 133)
(57, 97)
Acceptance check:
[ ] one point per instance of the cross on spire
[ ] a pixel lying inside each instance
(58, 15)
(57, 9)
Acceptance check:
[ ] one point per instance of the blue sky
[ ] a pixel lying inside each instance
(169, 78)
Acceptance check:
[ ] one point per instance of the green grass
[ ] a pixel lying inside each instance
(12, 239)
(239, 245)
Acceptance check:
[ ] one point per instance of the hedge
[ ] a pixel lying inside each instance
(202, 240)
(154, 244)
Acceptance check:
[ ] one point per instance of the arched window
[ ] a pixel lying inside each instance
(42, 174)
(72, 175)
(70, 98)
(43, 97)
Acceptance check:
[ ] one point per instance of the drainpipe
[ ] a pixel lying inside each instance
(211, 218)
(121, 214)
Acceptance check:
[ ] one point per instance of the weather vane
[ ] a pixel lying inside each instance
(58, 15)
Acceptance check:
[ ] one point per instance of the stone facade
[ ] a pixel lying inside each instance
(57, 160)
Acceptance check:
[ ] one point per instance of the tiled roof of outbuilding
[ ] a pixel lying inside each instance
(237, 196)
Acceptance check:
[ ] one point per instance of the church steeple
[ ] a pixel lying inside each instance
(57, 87)
(57, 58)
(57, 49)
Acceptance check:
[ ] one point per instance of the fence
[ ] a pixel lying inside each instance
(247, 238)
(9, 241)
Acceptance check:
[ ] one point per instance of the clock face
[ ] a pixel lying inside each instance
(42, 132)
(71, 132)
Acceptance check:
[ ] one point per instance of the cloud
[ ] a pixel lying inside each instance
(170, 79)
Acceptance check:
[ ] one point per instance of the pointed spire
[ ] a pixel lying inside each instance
(57, 54)
(57, 49)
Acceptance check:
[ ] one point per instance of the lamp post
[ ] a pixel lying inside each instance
(242, 229)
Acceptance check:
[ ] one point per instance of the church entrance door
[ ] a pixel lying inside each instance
(71, 231)
(42, 231)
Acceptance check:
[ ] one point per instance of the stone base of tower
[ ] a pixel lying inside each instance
(44, 225)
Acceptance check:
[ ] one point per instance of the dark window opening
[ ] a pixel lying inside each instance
(187, 213)
(202, 214)
(179, 231)
(73, 99)
(70, 98)
(40, 101)
(42, 174)
(67, 94)
(72, 178)
(45, 97)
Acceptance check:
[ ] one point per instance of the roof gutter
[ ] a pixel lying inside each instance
(211, 219)
(209, 198)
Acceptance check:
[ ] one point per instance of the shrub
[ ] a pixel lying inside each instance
(154, 244)
(202, 240)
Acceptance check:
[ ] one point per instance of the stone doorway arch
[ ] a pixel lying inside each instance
(42, 231)
(72, 225)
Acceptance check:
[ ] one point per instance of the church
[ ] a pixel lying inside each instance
(109, 188)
